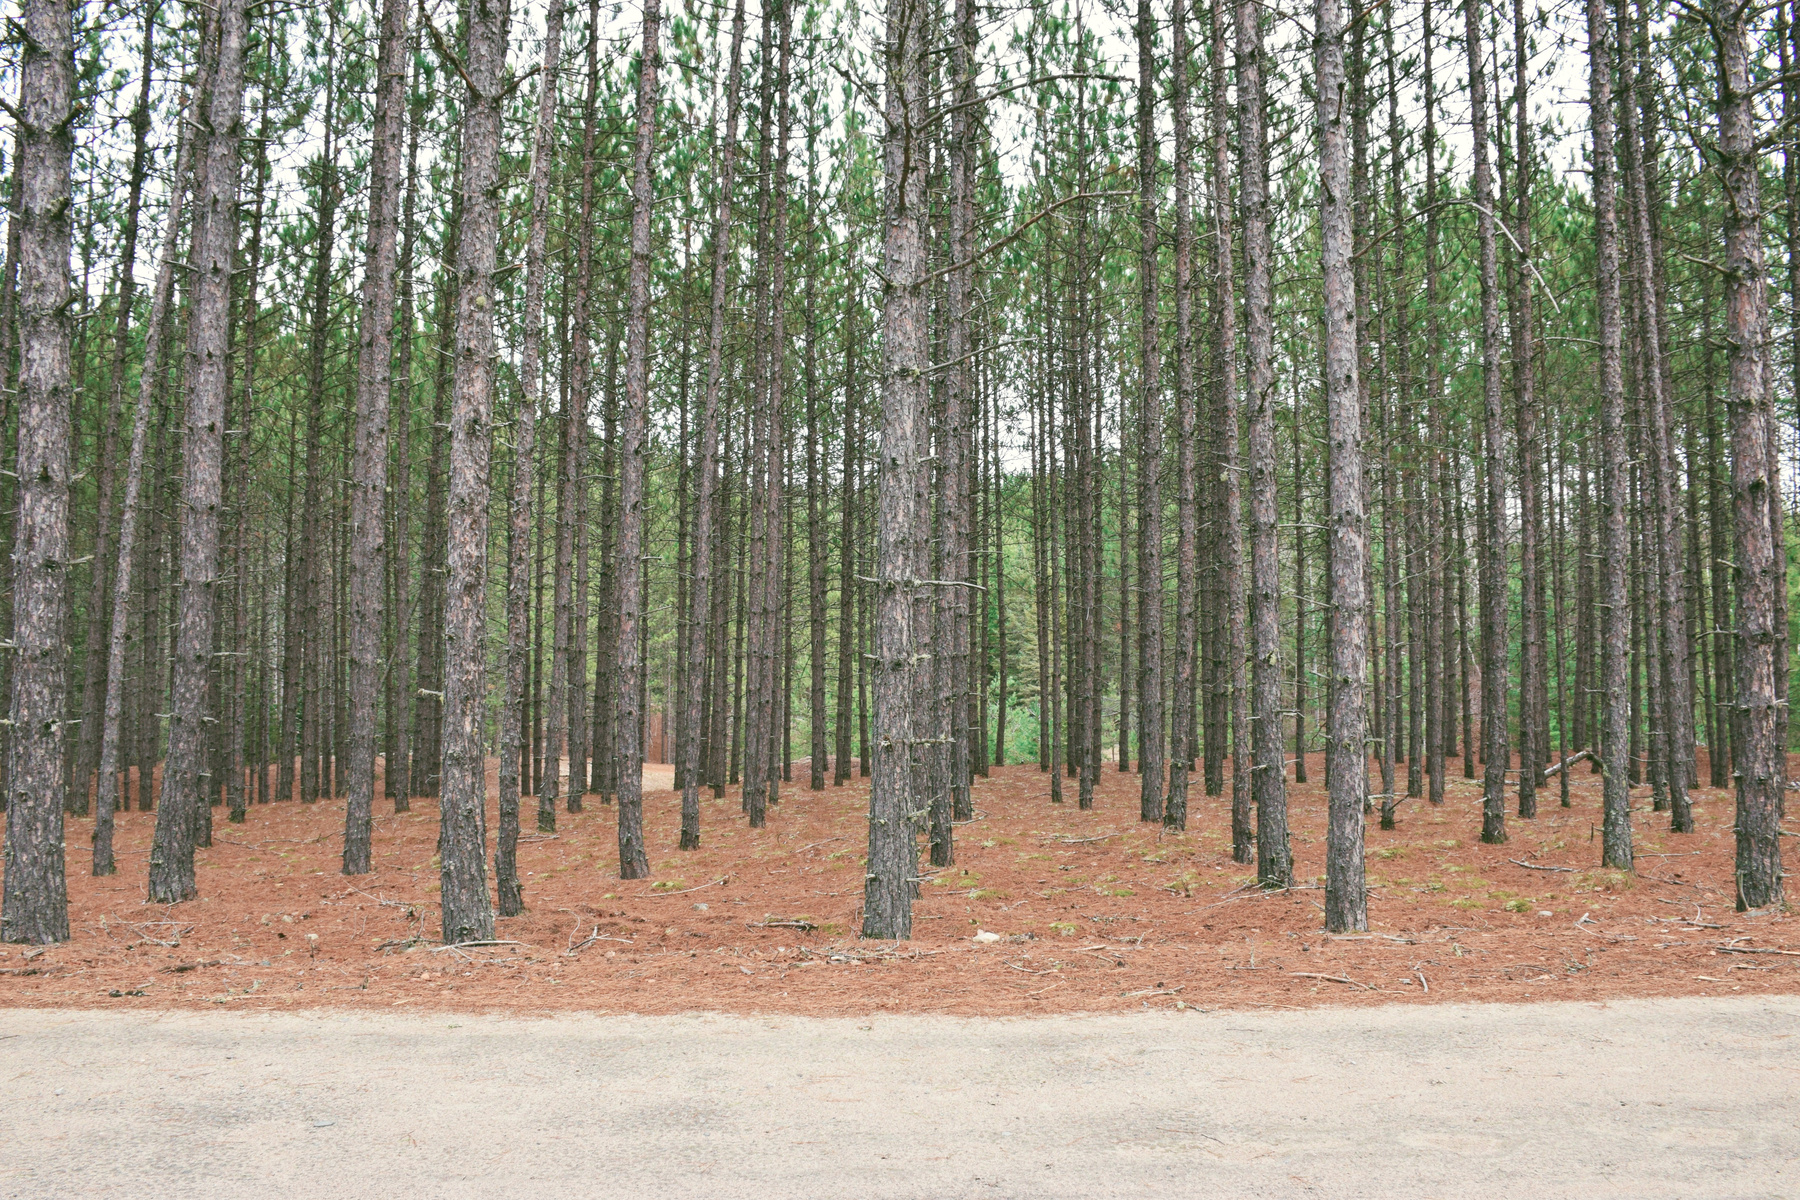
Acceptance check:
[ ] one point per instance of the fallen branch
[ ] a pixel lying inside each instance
(1156, 992)
(1299, 887)
(1069, 841)
(1570, 761)
(1517, 862)
(468, 945)
(178, 968)
(1756, 950)
(593, 937)
(683, 891)
(385, 903)
(806, 926)
(1332, 979)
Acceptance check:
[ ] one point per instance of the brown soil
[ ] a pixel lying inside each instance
(1094, 912)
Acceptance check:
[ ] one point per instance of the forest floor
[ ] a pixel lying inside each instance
(1092, 912)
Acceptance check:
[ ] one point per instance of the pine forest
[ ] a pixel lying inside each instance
(452, 408)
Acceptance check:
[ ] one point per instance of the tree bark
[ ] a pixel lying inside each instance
(1615, 546)
(1181, 714)
(1532, 718)
(468, 914)
(903, 524)
(1234, 701)
(632, 861)
(185, 782)
(518, 567)
(1346, 893)
(36, 903)
(374, 382)
(1495, 749)
(1761, 772)
(701, 617)
(1150, 555)
(1274, 856)
(124, 295)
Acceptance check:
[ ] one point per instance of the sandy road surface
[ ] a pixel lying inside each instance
(1678, 1098)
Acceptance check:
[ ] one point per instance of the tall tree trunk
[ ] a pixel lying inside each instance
(903, 523)
(184, 781)
(1532, 717)
(961, 405)
(94, 686)
(575, 467)
(1234, 699)
(1435, 486)
(815, 528)
(398, 772)
(1346, 894)
(1615, 545)
(1274, 856)
(632, 862)
(1150, 677)
(847, 568)
(374, 381)
(468, 914)
(1495, 750)
(243, 655)
(1761, 773)
(1181, 714)
(315, 534)
(700, 620)
(1671, 670)
(36, 902)
(518, 567)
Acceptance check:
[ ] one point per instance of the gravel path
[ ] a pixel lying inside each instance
(1678, 1098)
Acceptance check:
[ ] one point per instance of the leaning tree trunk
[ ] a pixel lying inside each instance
(1495, 749)
(1274, 856)
(700, 617)
(1346, 893)
(632, 861)
(1756, 579)
(36, 901)
(518, 566)
(185, 778)
(902, 524)
(1615, 540)
(374, 380)
(468, 914)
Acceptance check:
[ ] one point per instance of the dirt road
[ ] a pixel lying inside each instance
(1678, 1098)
